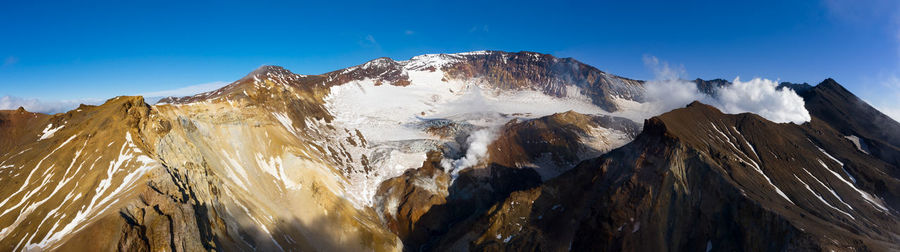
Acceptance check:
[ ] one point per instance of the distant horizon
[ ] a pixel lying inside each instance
(62, 53)
(152, 98)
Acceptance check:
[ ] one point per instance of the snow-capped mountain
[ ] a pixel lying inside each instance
(482, 150)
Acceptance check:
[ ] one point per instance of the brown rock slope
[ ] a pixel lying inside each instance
(553, 144)
(421, 205)
(698, 179)
(836, 106)
(401, 201)
(18, 127)
(236, 171)
(85, 162)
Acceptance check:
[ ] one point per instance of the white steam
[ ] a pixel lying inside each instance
(666, 95)
(477, 149)
(762, 97)
(758, 96)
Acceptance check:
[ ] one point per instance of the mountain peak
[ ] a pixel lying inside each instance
(699, 106)
(832, 85)
(269, 70)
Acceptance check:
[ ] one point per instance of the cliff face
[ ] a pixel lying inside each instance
(469, 151)
(837, 107)
(697, 179)
(554, 144)
(81, 165)
(277, 160)
(219, 174)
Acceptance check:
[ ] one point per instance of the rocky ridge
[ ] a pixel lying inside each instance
(283, 161)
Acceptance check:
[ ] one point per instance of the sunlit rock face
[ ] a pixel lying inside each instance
(471, 151)
(275, 160)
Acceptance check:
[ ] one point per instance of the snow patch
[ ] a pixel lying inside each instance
(49, 131)
(860, 144)
(392, 117)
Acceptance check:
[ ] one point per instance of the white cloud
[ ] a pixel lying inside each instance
(58, 106)
(43, 106)
(409, 32)
(188, 90)
(758, 96)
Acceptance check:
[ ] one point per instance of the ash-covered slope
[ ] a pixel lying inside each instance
(697, 179)
(830, 103)
(218, 174)
(375, 120)
(71, 174)
(874, 132)
(470, 151)
(277, 160)
(553, 144)
(17, 127)
(424, 203)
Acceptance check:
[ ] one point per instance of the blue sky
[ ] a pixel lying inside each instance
(88, 50)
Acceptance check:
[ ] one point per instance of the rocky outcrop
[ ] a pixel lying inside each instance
(401, 201)
(271, 162)
(548, 74)
(553, 144)
(697, 179)
(837, 107)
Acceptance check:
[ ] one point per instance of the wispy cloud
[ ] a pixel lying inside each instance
(369, 42)
(44, 106)
(409, 32)
(188, 90)
(155, 96)
(861, 11)
(890, 110)
(887, 101)
(662, 70)
(58, 106)
(11, 60)
(883, 95)
(480, 28)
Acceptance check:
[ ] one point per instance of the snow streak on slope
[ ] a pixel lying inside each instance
(268, 170)
(128, 154)
(67, 198)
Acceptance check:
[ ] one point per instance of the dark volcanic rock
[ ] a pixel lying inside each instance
(696, 178)
(836, 106)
